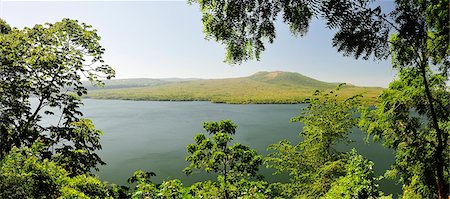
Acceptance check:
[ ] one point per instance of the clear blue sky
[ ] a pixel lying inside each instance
(158, 39)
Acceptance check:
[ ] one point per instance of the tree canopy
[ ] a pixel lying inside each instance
(244, 26)
(40, 73)
(24, 174)
(316, 168)
(215, 155)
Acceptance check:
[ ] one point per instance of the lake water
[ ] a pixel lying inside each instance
(152, 136)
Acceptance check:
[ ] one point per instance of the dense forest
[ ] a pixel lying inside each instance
(411, 116)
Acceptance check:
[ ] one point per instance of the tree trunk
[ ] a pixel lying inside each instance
(225, 162)
(439, 149)
(225, 180)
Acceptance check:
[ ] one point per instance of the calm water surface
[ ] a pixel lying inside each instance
(152, 136)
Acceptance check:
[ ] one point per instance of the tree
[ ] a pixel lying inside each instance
(358, 181)
(4, 27)
(411, 134)
(205, 189)
(215, 155)
(313, 163)
(144, 186)
(171, 189)
(242, 188)
(46, 63)
(420, 52)
(415, 34)
(24, 174)
(243, 26)
(146, 189)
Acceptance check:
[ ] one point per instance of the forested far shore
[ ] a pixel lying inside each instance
(261, 88)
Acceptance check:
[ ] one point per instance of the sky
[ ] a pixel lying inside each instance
(164, 39)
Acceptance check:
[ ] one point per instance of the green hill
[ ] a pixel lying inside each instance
(290, 79)
(262, 87)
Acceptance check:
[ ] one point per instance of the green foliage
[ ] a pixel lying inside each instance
(116, 191)
(420, 53)
(412, 135)
(215, 155)
(90, 186)
(144, 186)
(4, 27)
(358, 182)
(243, 26)
(140, 176)
(46, 62)
(171, 189)
(146, 189)
(251, 190)
(327, 122)
(362, 28)
(314, 164)
(240, 189)
(86, 140)
(24, 174)
(206, 189)
(219, 18)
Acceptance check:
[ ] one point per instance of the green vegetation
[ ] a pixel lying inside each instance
(24, 174)
(412, 116)
(232, 162)
(415, 34)
(315, 167)
(260, 88)
(46, 62)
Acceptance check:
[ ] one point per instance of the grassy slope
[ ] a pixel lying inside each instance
(262, 87)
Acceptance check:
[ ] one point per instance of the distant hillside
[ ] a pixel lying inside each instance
(136, 82)
(290, 79)
(261, 87)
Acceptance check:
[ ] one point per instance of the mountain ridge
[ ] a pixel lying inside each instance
(261, 87)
